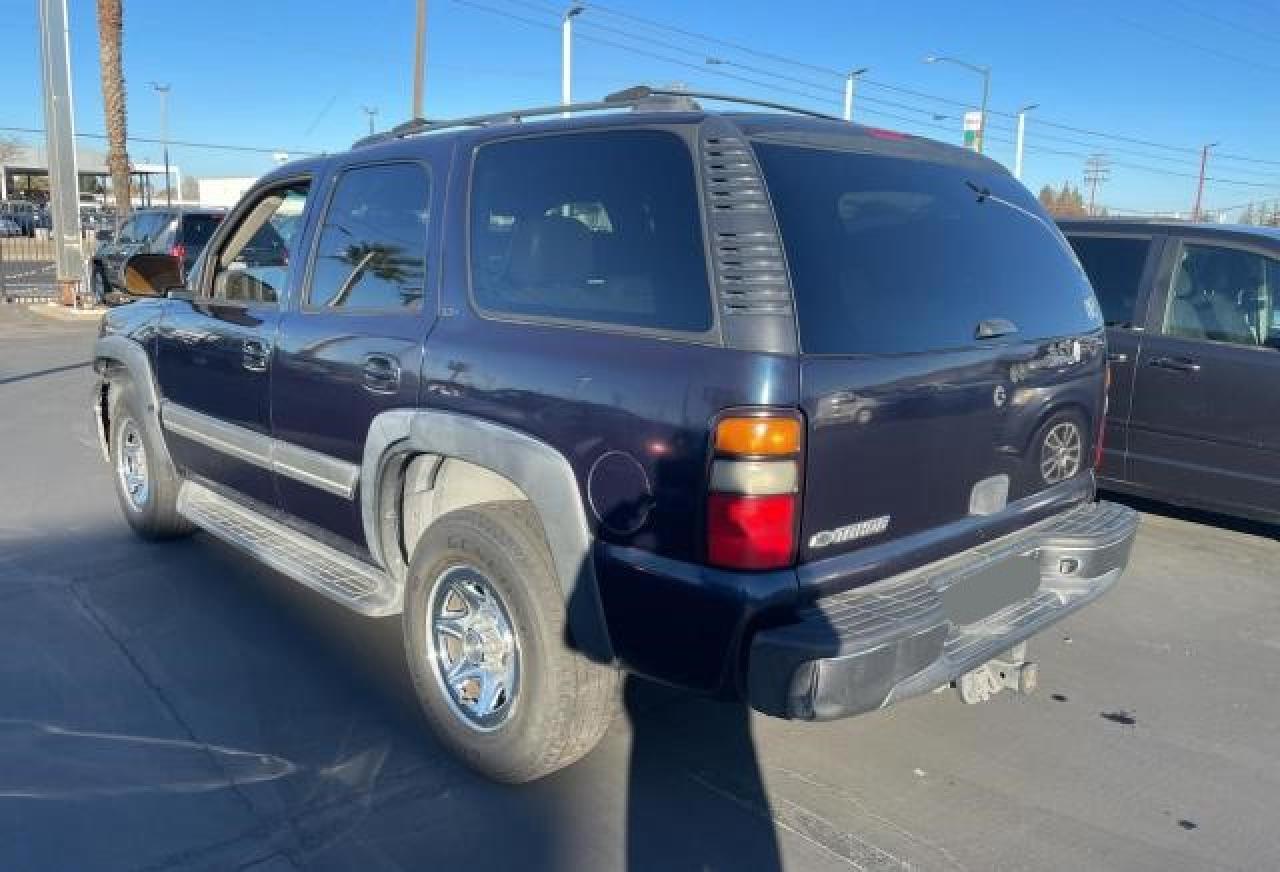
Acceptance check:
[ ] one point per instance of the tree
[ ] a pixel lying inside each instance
(10, 147)
(1247, 215)
(110, 59)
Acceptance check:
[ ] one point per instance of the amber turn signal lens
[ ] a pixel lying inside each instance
(758, 436)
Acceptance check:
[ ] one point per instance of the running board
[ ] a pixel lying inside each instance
(354, 583)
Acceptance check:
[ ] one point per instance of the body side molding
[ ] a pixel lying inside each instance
(313, 468)
(539, 470)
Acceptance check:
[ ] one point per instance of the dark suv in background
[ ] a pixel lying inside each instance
(1193, 324)
(180, 233)
(766, 405)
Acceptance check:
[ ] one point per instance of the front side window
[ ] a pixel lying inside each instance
(1114, 265)
(372, 251)
(253, 264)
(595, 227)
(1223, 295)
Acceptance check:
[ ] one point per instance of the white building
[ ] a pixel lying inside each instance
(223, 192)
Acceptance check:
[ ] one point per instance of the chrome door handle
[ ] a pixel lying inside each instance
(256, 355)
(1176, 364)
(381, 374)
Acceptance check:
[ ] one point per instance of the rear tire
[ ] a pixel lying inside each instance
(482, 599)
(145, 484)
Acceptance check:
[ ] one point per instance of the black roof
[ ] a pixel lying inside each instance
(1169, 225)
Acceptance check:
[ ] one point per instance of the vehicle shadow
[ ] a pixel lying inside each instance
(189, 708)
(1195, 516)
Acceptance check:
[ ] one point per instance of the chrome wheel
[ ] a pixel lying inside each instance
(131, 465)
(1062, 452)
(472, 647)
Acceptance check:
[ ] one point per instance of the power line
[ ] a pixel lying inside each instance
(186, 144)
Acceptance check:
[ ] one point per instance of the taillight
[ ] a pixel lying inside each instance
(753, 504)
(1100, 438)
(178, 250)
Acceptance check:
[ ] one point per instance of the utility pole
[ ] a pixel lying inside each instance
(1204, 160)
(162, 88)
(64, 179)
(850, 85)
(566, 55)
(419, 59)
(1022, 133)
(1097, 169)
(370, 111)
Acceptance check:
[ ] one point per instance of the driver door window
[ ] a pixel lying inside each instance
(253, 264)
(1223, 295)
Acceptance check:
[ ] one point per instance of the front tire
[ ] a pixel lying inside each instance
(146, 486)
(485, 636)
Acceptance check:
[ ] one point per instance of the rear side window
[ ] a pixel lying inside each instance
(1114, 266)
(196, 229)
(372, 250)
(595, 227)
(891, 255)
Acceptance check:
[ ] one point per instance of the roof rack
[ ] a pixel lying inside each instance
(640, 97)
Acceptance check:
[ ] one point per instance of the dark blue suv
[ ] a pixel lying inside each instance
(766, 405)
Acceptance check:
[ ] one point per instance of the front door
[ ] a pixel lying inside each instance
(352, 346)
(215, 351)
(1207, 389)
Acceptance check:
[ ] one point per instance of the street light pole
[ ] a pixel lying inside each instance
(1204, 160)
(850, 85)
(1022, 132)
(420, 59)
(566, 55)
(981, 70)
(162, 88)
(370, 111)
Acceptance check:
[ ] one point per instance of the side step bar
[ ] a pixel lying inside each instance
(351, 582)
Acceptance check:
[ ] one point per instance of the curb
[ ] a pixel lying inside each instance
(59, 312)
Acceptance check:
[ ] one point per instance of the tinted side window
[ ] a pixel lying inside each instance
(372, 252)
(1115, 269)
(196, 229)
(892, 255)
(1224, 295)
(600, 227)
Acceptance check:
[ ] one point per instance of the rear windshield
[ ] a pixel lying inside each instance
(196, 229)
(892, 255)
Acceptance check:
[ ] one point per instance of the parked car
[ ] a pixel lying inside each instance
(551, 391)
(21, 213)
(1193, 323)
(9, 228)
(180, 233)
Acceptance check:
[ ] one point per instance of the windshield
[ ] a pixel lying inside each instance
(897, 255)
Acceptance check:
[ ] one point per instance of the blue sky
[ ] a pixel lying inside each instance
(293, 74)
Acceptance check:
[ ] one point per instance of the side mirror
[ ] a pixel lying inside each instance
(152, 275)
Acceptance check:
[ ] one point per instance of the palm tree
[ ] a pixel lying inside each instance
(110, 39)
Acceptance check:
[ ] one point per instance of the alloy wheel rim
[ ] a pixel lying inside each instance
(131, 465)
(472, 648)
(1061, 454)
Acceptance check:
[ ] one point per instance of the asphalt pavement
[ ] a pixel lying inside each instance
(175, 706)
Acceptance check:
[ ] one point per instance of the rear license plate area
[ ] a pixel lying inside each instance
(991, 589)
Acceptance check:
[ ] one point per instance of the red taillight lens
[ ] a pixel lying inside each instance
(1100, 437)
(751, 532)
(179, 251)
(754, 487)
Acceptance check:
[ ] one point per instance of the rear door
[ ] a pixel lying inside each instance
(1207, 390)
(942, 320)
(1121, 268)
(352, 347)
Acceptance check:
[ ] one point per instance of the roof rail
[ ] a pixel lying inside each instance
(640, 97)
